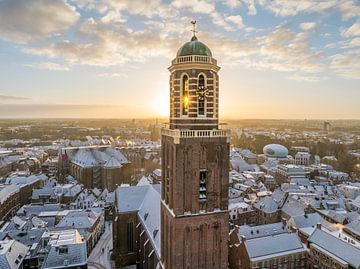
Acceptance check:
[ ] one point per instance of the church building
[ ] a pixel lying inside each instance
(189, 225)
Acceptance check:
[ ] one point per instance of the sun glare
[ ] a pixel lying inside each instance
(160, 104)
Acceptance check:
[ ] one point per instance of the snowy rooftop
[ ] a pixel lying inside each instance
(336, 247)
(273, 246)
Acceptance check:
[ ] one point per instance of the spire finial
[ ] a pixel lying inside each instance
(194, 27)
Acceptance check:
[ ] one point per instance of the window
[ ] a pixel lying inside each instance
(130, 236)
(202, 185)
(63, 250)
(201, 99)
(185, 95)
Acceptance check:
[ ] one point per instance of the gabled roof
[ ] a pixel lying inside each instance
(261, 230)
(12, 254)
(75, 254)
(267, 205)
(273, 246)
(337, 247)
(307, 220)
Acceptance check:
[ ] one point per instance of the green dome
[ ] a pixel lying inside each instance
(194, 47)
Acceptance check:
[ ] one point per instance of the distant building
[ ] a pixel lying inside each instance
(101, 167)
(302, 158)
(275, 251)
(328, 251)
(327, 126)
(12, 254)
(136, 228)
(64, 249)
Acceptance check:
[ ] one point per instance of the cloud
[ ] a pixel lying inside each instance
(232, 3)
(197, 6)
(102, 44)
(348, 9)
(22, 21)
(307, 78)
(237, 20)
(12, 98)
(307, 26)
(281, 50)
(347, 64)
(113, 75)
(250, 4)
(49, 66)
(353, 30)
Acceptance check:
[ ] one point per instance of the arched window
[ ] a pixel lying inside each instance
(185, 95)
(201, 97)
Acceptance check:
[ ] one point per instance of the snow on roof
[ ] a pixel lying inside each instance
(353, 227)
(336, 247)
(12, 254)
(149, 213)
(307, 220)
(6, 191)
(267, 205)
(261, 230)
(75, 254)
(112, 163)
(144, 180)
(273, 246)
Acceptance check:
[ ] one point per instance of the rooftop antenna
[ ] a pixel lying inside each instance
(194, 27)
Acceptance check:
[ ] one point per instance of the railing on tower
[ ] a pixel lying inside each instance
(177, 133)
(194, 59)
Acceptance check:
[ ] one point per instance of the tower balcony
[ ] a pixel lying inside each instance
(177, 134)
(194, 59)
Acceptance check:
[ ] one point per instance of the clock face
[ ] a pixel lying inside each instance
(202, 92)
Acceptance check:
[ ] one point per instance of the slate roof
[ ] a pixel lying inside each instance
(6, 191)
(307, 220)
(28, 237)
(337, 247)
(130, 198)
(267, 205)
(145, 200)
(273, 246)
(12, 254)
(149, 213)
(293, 208)
(354, 227)
(76, 254)
(98, 156)
(261, 230)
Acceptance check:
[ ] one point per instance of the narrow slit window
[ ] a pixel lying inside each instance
(185, 95)
(201, 99)
(130, 236)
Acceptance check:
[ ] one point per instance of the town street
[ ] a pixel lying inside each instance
(100, 256)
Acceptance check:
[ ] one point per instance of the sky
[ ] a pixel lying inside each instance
(280, 59)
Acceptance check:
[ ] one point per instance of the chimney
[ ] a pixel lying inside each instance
(318, 225)
(243, 239)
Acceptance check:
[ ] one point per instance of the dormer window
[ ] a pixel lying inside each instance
(63, 250)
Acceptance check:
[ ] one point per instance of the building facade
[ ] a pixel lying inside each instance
(195, 166)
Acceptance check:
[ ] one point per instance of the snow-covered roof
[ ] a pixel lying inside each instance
(273, 246)
(69, 240)
(261, 230)
(336, 247)
(12, 254)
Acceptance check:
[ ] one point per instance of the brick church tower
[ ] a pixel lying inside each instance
(195, 165)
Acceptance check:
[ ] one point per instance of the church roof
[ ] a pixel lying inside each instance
(194, 47)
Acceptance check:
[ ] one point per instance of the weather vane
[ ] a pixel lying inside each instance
(194, 27)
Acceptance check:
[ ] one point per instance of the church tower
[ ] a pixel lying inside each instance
(195, 165)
